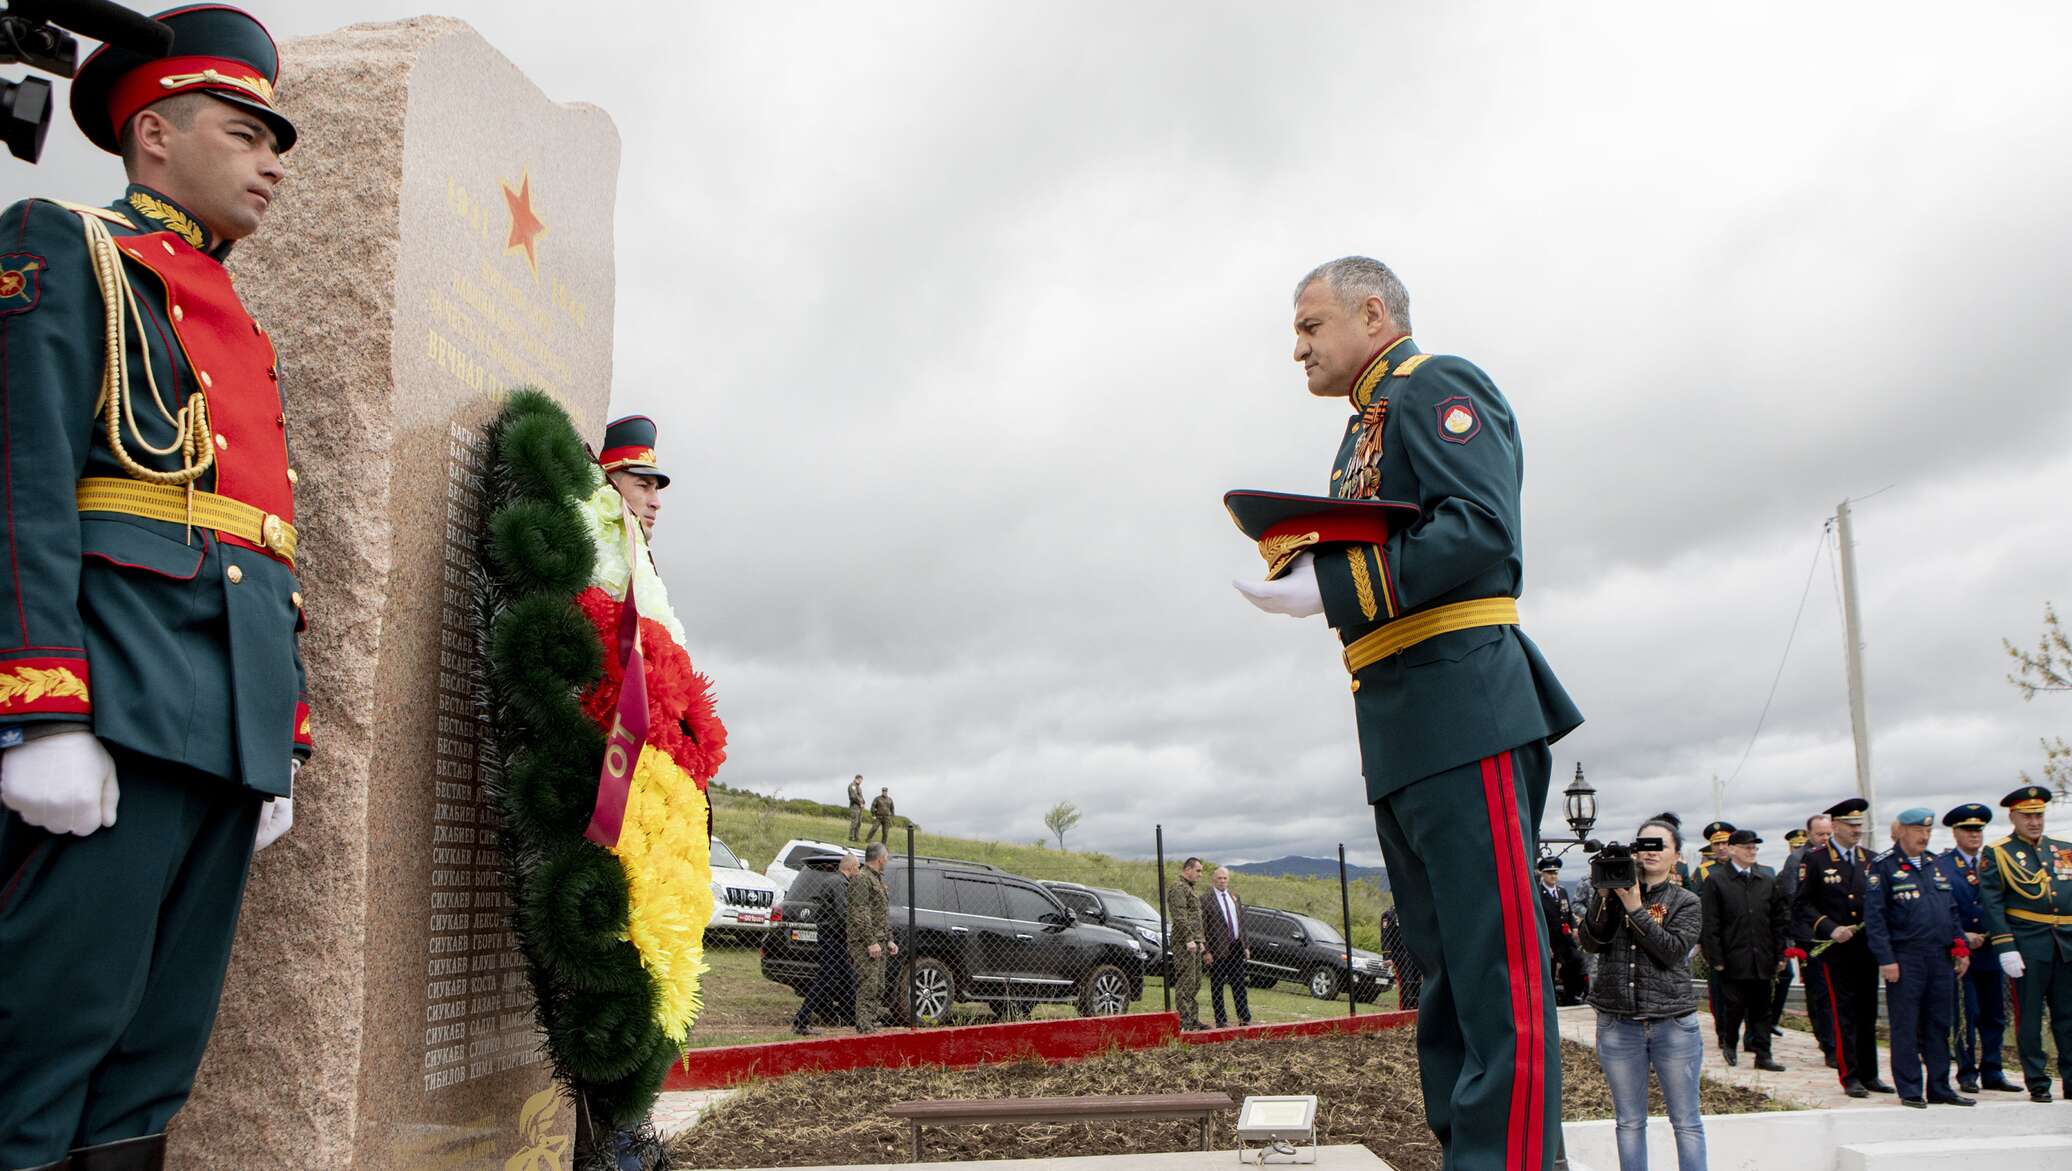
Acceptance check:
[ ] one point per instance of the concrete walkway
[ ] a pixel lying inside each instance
(677, 1112)
(1806, 1082)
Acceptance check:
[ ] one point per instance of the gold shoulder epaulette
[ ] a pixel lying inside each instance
(1411, 363)
(113, 217)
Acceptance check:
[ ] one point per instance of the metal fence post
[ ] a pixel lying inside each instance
(1165, 982)
(1345, 903)
(913, 885)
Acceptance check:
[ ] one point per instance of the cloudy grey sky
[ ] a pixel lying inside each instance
(959, 318)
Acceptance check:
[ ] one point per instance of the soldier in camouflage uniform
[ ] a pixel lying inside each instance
(1183, 911)
(870, 936)
(881, 816)
(855, 806)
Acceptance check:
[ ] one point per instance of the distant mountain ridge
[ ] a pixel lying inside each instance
(1295, 866)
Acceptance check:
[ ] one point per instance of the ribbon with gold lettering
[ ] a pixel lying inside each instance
(630, 719)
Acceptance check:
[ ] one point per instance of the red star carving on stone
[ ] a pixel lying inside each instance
(525, 226)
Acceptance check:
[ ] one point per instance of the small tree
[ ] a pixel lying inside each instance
(2047, 668)
(1062, 816)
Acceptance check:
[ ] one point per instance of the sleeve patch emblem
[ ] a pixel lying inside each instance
(1458, 421)
(21, 281)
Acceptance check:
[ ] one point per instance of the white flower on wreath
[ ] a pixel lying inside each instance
(604, 515)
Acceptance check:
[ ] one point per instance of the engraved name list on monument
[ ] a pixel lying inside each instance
(478, 1006)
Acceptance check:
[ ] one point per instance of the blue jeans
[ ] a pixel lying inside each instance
(1627, 1048)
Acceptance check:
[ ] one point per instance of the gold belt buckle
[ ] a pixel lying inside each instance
(273, 533)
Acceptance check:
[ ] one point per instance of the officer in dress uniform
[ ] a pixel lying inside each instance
(1910, 917)
(628, 460)
(2026, 892)
(1571, 982)
(1982, 999)
(1828, 908)
(1416, 559)
(151, 688)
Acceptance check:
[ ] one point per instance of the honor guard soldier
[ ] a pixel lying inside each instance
(1910, 917)
(2025, 889)
(150, 682)
(1416, 559)
(1982, 999)
(628, 460)
(1828, 908)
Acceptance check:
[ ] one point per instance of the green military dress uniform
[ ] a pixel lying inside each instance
(1183, 911)
(1455, 709)
(870, 921)
(152, 603)
(2025, 889)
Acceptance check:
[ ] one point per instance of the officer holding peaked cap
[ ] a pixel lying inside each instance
(151, 686)
(2026, 890)
(1982, 998)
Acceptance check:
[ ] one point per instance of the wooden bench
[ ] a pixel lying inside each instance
(1096, 1108)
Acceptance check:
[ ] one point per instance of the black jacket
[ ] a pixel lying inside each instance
(1643, 971)
(1215, 931)
(1745, 922)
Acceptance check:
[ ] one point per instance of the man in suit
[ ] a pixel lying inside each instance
(1225, 948)
(1829, 909)
(1743, 938)
(1416, 559)
(151, 685)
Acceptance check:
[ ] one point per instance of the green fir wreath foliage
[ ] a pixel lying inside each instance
(594, 1000)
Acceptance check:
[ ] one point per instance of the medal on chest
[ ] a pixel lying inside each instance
(1359, 476)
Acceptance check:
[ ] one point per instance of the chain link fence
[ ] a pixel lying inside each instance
(974, 942)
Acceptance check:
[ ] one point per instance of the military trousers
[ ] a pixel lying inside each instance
(855, 820)
(1187, 986)
(1459, 847)
(870, 985)
(1919, 1009)
(1850, 977)
(881, 830)
(1820, 1007)
(1982, 1018)
(2045, 986)
(112, 953)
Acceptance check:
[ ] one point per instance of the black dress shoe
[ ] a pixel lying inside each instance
(1997, 1082)
(1830, 1059)
(803, 1030)
(1914, 1103)
(1967, 1085)
(1775, 1031)
(1731, 1056)
(2039, 1095)
(135, 1154)
(1763, 1061)
(1952, 1100)
(1877, 1087)
(1855, 1089)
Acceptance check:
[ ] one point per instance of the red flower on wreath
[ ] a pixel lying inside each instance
(681, 719)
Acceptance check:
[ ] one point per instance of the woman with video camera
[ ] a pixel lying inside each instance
(1643, 934)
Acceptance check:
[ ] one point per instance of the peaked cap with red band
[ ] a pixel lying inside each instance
(629, 446)
(217, 50)
(1285, 524)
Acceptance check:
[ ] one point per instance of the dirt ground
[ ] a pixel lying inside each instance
(1367, 1086)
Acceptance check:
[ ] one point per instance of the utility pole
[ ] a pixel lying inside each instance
(1852, 653)
(1718, 799)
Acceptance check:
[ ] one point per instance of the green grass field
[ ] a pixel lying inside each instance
(741, 1007)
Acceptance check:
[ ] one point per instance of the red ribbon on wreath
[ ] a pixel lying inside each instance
(629, 726)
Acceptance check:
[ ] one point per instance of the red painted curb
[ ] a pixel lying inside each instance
(1372, 1022)
(968, 1045)
(963, 1045)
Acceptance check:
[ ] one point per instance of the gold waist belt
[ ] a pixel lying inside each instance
(2040, 917)
(179, 506)
(1404, 633)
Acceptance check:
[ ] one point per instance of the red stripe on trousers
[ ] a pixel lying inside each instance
(1521, 955)
(1834, 1022)
(1536, 1005)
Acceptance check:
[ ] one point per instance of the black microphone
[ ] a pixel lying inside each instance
(102, 20)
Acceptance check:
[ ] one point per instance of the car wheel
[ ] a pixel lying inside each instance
(1323, 983)
(1104, 992)
(927, 989)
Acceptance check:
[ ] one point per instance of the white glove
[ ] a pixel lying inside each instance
(1295, 594)
(278, 815)
(2011, 963)
(63, 782)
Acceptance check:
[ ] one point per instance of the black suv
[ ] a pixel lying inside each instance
(1118, 909)
(1291, 946)
(979, 935)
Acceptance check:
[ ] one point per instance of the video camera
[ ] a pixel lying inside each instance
(32, 33)
(1614, 867)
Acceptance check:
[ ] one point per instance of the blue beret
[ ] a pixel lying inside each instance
(1918, 815)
